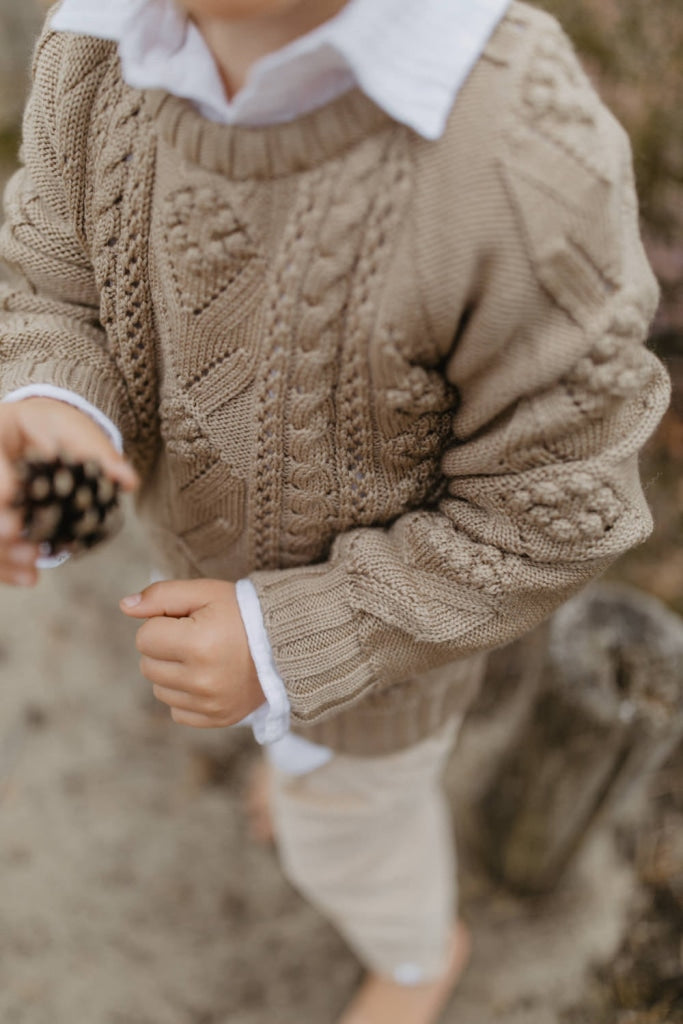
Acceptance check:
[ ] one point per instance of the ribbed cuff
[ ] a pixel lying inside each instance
(313, 632)
(71, 398)
(96, 388)
(400, 718)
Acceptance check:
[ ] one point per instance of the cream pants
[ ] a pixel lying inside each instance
(369, 842)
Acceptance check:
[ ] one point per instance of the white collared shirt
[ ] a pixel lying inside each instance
(410, 57)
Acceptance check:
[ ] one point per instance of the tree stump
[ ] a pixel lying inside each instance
(607, 712)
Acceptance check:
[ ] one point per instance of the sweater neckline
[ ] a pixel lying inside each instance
(243, 152)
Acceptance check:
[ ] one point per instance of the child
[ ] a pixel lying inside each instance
(359, 290)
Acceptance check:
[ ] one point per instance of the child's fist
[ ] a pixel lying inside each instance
(45, 426)
(195, 651)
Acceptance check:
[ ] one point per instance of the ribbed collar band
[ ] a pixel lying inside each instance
(270, 151)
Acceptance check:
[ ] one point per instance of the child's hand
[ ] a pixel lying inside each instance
(46, 426)
(195, 651)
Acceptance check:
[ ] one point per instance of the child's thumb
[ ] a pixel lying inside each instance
(173, 598)
(131, 604)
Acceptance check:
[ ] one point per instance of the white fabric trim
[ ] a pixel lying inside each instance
(52, 561)
(410, 57)
(271, 721)
(294, 755)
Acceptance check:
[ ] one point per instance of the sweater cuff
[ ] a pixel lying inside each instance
(313, 630)
(270, 722)
(68, 381)
(71, 398)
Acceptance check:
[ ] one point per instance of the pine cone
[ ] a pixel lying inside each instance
(67, 505)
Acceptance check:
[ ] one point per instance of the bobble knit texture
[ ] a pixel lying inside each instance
(401, 384)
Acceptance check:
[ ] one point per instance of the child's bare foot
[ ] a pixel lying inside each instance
(257, 804)
(383, 1001)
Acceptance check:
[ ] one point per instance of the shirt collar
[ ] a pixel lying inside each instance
(410, 57)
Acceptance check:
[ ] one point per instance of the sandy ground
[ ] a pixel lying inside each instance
(129, 892)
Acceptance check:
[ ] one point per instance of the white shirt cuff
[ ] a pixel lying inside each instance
(71, 398)
(295, 755)
(271, 721)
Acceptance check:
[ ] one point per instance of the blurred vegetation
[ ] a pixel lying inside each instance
(633, 49)
(9, 144)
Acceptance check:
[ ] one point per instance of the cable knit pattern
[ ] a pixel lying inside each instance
(118, 208)
(207, 245)
(284, 310)
(401, 384)
(311, 488)
(362, 481)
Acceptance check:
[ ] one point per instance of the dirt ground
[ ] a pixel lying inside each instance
(130, 893)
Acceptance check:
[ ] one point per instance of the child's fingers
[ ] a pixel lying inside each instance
(18, 564)
(12, 446)
(174, 598)
(28, 421)
(96, 447)
(8, 481)
(192, 718)
(77, 436)
(18, 577)
(162, 639)
(172, 675)
(178, 699)
(49, 427)
(10, 526)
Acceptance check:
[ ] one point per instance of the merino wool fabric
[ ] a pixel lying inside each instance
(400, 384)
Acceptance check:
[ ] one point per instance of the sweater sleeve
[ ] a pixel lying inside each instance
(50, 330)
(540, 487)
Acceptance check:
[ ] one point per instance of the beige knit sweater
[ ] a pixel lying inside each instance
(399, 383)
